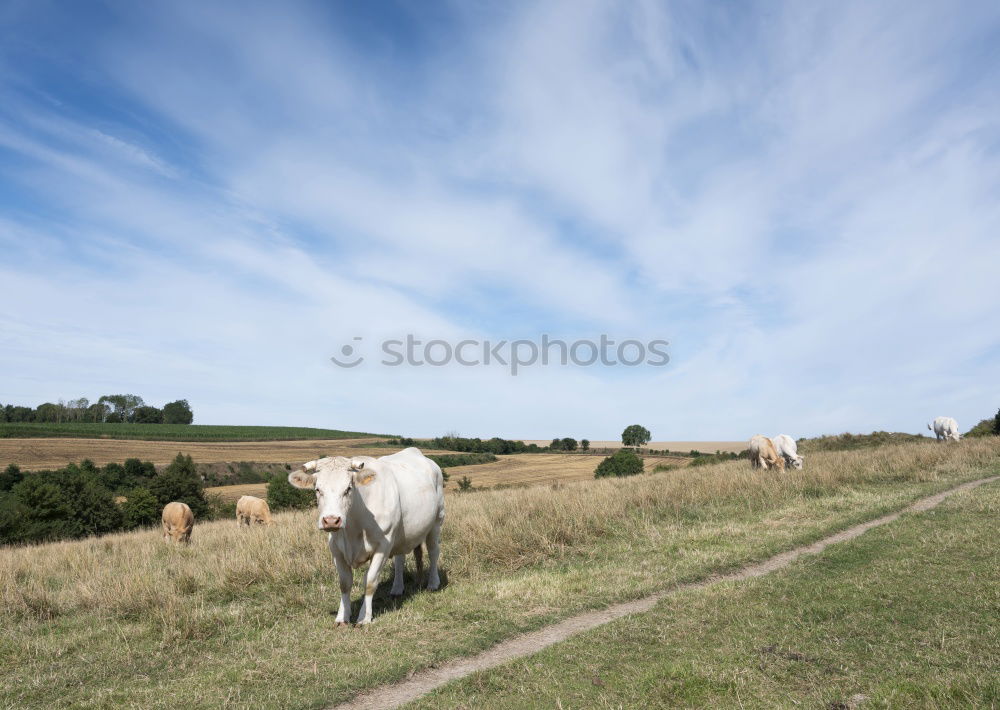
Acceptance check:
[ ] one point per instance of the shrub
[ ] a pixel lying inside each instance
(282, 495)
(464, 484)
(987, 427)
(180, 481)
(140, 509)
(623, 462)
(10, 477)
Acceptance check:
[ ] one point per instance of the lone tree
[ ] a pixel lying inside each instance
(996, 424)
(584, 444)
(635, 436)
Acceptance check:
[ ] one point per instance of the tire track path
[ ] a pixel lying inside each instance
(422, 682)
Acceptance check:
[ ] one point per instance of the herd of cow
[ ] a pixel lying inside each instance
(374, 509)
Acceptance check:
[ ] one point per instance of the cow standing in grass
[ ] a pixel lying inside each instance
(786, 448)
(763, 454)
(374, 509)
(178, 522)
(945, 428)
(250, 510)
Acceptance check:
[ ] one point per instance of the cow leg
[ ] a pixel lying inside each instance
(398, 562)
(433, 551)
(346, 575)
(371, 582)
(418, 556)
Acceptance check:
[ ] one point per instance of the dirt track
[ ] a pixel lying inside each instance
(421, 683)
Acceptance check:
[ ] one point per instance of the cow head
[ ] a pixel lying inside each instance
(797, 462)
(335, 481)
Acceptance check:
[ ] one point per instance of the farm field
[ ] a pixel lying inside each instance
(705, 447)
(230, 494)
(171, 432)
(902, 616)
(244, 618)
(32, 454)
(535, 469)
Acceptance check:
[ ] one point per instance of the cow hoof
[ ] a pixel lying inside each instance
(396, 595)
(341, 624)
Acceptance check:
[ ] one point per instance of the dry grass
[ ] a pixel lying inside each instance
(231, 494)
(34, 454)
(486, 532)
(705, 447)
(535, 469)
(244, 617)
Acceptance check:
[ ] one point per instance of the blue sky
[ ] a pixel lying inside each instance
(207, 200)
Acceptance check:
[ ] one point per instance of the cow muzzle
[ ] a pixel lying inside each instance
(331, 523)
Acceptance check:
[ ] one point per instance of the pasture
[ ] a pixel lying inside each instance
(244, 618)
(903, 616)
(536, 469)
(705, 447)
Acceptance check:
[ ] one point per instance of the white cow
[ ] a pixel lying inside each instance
(375, 509)
(945, 428)
(786, 448)
(763, 453)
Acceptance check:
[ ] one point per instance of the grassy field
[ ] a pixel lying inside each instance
(244, 618)
(171, 432)
(535, 469)
(33, 454)
(705, 447)
(906, 616)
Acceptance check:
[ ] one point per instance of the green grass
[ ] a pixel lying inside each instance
(905, 616)
(244, 618)
(171, 432)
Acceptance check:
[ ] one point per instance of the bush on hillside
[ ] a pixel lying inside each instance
(180, 482)
(140, 509)
(987, 427)
(282, 495)
(623, 462)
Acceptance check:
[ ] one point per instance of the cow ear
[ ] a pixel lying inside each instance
(301, 479)
(363, 475)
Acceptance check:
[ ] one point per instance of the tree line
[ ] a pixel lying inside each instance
(108, 409)
(84, 499)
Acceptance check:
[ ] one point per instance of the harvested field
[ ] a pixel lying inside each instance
(33, 454)
(705, 447)
(231, 494)
(534, 469)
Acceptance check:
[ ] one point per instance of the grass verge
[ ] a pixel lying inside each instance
(245, 617)
(903, 616)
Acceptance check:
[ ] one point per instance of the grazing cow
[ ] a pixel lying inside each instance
(250, 509)
(178, 522)
(786, 448)
(945, 428)
(763, 454)
(374, 509)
